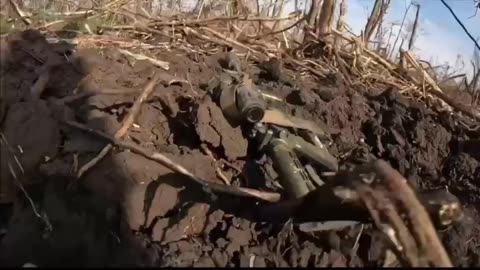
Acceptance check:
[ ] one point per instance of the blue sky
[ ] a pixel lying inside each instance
(440, 38)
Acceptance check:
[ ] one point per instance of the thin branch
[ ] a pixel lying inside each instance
(414, 30)
(399, 32)
(20, 13)
(461, 24)
(126, 124)
(279, 31)
(167, 162)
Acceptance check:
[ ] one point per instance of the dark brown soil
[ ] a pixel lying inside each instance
(130, 211)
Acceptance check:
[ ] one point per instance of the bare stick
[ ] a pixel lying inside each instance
(219, 172)
(20, 13)
(461, 24)
(319, 73)
(422, 226)
(125, 125)
(229, 40)
(278, 31)
(165, 161)
(414, 30)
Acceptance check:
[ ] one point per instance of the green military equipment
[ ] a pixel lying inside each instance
(243, 104)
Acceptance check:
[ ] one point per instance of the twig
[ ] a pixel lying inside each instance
(461, 24)
(231, 165)
(414, 30)
(353, 251)
(279, 31)
(320, 73)
(219, 172)
(188, 30)
(399, 31)
(222, 176)
(156, 62)
(126, 124)
(374, 55)
(201, 9)
(165, 161)
(231, 41)
(20, 13)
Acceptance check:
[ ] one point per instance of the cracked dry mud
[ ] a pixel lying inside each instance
(130, 211)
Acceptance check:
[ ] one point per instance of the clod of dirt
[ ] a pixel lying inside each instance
(205, 130)
(214, 128)
(239, 236)
(327, 94)
(191, 224)
(159, 228)
(140, 169)
(220, 258)
(141, 209)
(337, 259)
(164, 200)
(213, 219)
(152, 126)
(199, 164)
(133, 206)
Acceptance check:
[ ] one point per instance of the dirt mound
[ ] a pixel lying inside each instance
(174, 222)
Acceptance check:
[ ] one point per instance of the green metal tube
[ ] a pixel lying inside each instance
(293, 177)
